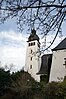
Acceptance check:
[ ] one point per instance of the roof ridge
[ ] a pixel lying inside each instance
(61, 45)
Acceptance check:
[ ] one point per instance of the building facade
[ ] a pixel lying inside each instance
(49, 66)
(33, 59)
(58, 67)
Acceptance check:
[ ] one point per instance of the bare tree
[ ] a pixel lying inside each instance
(44, 15)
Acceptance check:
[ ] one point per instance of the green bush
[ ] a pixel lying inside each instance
(21, 85)
(55, 90)
(5, 81)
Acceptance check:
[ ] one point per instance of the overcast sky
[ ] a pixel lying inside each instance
(13, 44)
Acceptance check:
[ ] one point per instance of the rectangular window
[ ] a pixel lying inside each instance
(31, 51)
(34, 43)
(31, 58)
(64, 58)
(29, 44)
(64, 62)
(30, 66)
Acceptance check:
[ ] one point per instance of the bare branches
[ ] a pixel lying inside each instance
(56, 33)
(45, 15)
(38, 6)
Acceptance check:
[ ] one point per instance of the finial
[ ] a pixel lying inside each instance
(33, 31)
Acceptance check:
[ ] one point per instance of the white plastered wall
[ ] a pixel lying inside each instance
(57, 72)
(35, 62)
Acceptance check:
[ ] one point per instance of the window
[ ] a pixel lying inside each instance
(64, 62)
(31, 51)
(30, 66)
(64, 58)
(34, 43)
(31, 44)
(31, 58)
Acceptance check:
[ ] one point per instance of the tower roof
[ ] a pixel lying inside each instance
(33, 36)
(61, 45)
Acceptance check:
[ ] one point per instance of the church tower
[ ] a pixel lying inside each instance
(33, 60)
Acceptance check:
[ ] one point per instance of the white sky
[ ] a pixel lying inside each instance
(12, 49)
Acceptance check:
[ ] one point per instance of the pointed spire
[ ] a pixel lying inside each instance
(33, 31)
(33, 36)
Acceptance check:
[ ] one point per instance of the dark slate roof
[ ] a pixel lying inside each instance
(45, 63)
(33, 36)
(61, 45)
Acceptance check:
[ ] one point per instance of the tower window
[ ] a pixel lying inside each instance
(31, 51)
(31, 58)
(29, 44)
(64, 62)
(34, 43)
(30, 66)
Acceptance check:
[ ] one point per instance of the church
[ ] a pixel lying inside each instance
(58, 67)
(49, 66)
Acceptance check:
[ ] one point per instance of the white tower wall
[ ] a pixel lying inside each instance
(58, 69)
(33, 60)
